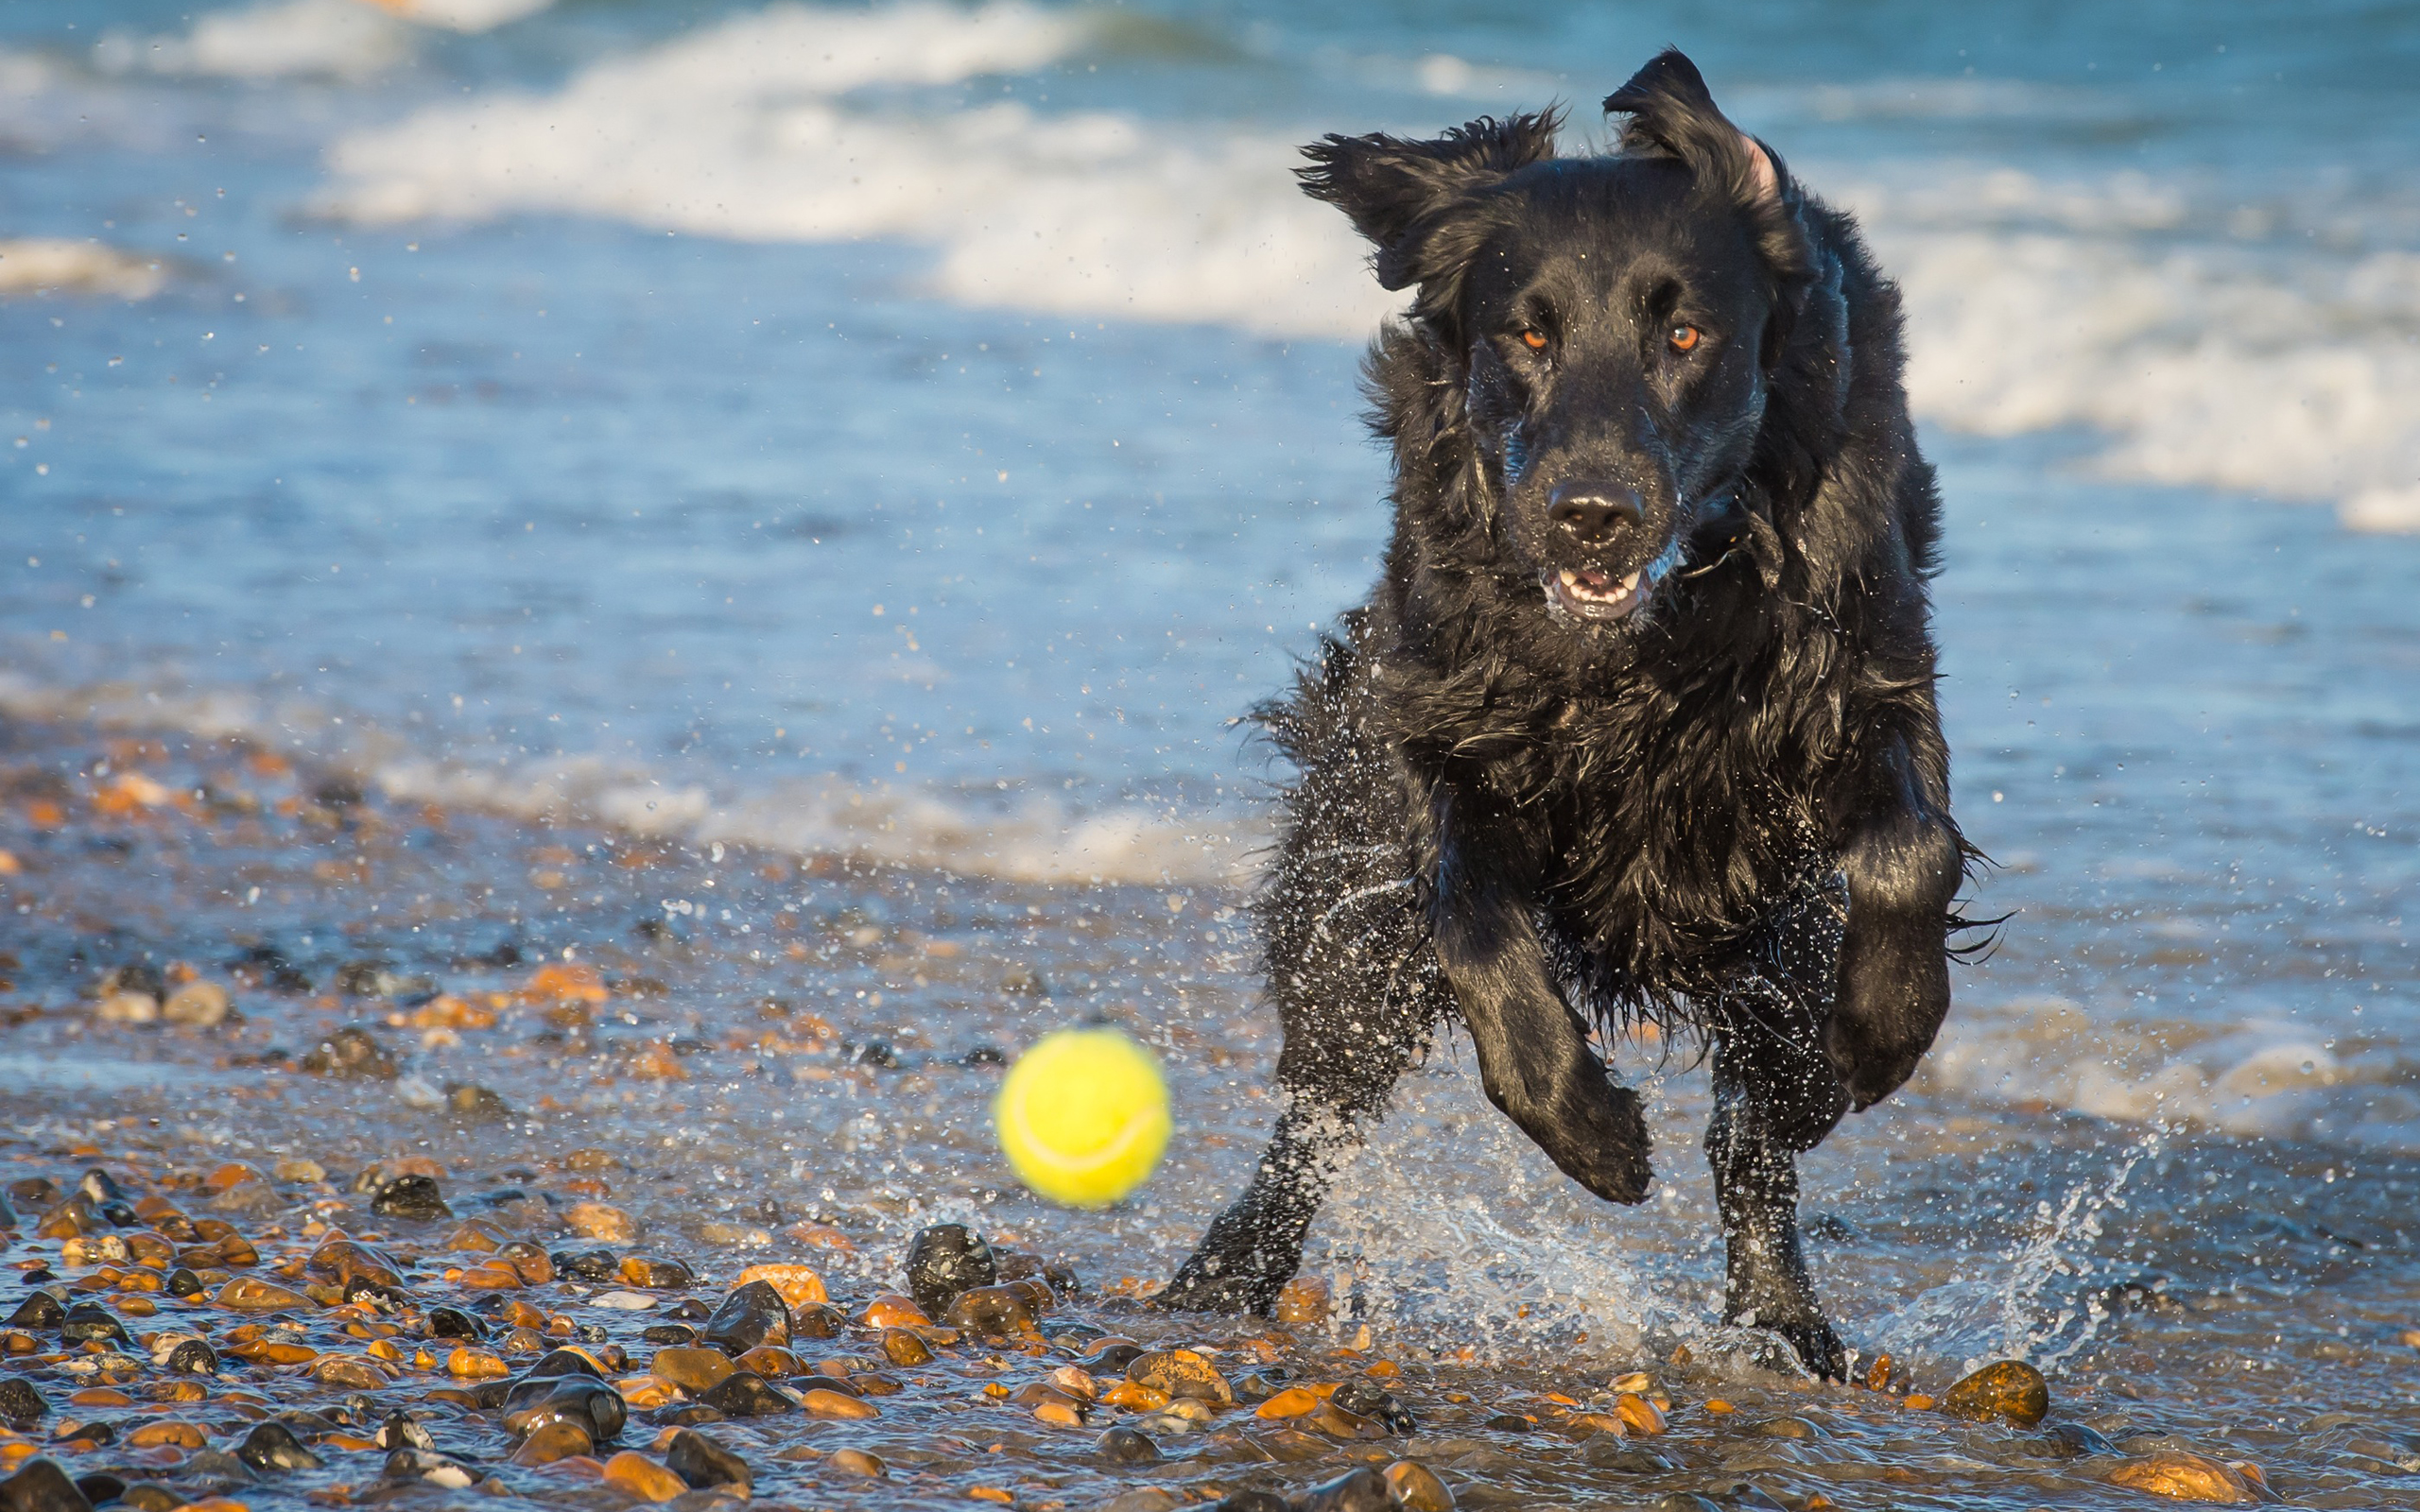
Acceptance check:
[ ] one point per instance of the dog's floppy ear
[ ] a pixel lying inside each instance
(1400, 192)
(1673, 115)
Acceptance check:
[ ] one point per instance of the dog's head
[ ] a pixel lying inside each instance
(1614, 322)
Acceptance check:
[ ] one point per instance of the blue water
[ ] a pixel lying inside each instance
(931, 451)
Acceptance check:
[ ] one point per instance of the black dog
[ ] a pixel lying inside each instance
(1639, 721)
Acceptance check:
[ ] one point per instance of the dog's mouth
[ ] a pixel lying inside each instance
(1596, 594)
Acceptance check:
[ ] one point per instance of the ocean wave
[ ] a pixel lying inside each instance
(2264, 1075)
(1033, 838)
(349, 39)
(2127, 306)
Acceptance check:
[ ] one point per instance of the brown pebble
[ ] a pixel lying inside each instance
(692, 1370)
(1417, 1488)
(994, 1310)
(2183, 1477)
(858, 1462)
(556, 1440)
(797, 1284)
(1180, 1373)
(1586, 1424)
(643, 1477)
(1637, 1414)
(1304, 1300)
(1294, 1401)
(349, 1370)
(2010, 1388)
(250, 1294)
(893, 1311)
(595, 1220)
(822, 1402)
(1132, 1395)
(772, 1361)
(476, 1364)
(902, 1346)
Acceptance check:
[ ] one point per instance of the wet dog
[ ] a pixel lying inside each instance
(1638, 723)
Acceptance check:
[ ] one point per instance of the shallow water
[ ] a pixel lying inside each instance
(891, 446)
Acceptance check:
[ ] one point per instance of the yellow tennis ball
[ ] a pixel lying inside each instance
(1083, 1116)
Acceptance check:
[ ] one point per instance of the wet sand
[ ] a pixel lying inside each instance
(701, 1061)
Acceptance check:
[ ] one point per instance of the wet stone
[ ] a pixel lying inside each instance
(551, 1442)
(183, 1283)
(2077, 1441)
(192, 1357)
(212, 1470)
(21, 1403)
(1180, 1373)
(1124, 1445)
(945, 1260)
(643, 1477)
(647, 1270)
(271, 1446)
(692, 1369)
(351, 1051)
(469, 1103)
(746, 1394)
(587, 1264)
(676, 1335)
(702, 1462)
(454, 1323)
(1418, 1488)
(593, 1407)
(1362, 1490)
(2183, 1477)
(1364, 1398)
(416, 1198)
(41, 1484)
(2009, 1389)
(91, 1321)
(992, 1310)
(40, 1312)
(751, 1315)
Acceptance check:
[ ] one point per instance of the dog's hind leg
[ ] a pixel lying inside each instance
(1360, 1002)
(1776, 1096)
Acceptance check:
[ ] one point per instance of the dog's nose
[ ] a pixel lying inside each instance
(1592, 510)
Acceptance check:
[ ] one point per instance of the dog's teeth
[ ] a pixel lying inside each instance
(1629, 583)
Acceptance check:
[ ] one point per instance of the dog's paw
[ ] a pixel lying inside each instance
(1206, 1284)
(1607, 1148)
(1818, 1349)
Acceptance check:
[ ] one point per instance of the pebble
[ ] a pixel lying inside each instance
(41, 1484)
(642, 1477)
(553, 1442)
(1639, 1414)
(606, 1225)
(822, 1402)
(693, 1370)
(271, 1446)
(702, 1462)
(746, 1394)
(1304, 1300)
(858, 1462)
(1362, 1490)
(1124, 1445)
(894, 1312)
(1180, 1373)
(797, 1285)
(351, 1051)
(413, 1197)
(945, 1259)
(250, 1294)
(2185, 1477)
(752, 1314)
(2009, 1389)
(1418, 1488)
(198, 1005)
(990, 1310)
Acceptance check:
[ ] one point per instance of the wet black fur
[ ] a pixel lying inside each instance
(1728, 812)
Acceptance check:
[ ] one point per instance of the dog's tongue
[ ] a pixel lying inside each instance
(1595, 579)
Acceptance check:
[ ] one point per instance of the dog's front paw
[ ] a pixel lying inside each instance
(1607, 1152)
(1818, 1349)
(1210, 1283)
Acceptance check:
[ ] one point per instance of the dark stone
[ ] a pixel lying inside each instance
(669, 1335)
(121, 1214)
(149, 1496)
(379, 979)
(746, 1394)
(90, 1320)
(1607, 1452)
(469, 1103)
(991, 1310)
(42, 1486)
(40, 1310)
(403, 1431)
(688, 1310)
(586, 1403)
(271, 1446)
(213, 1471)
(879, 1053)
(183, 1283)
(984, 1056)
(1259, 1385)
(19, 1403)
(1508, 1422)
(1124, 1445)
(351, 1051)
(35, 1190)
(411, 1197)
(1362, 1490)
(701, 1462)
(752, 1314)
(587, 1264)
(429, 1464)
(100, 1488)
(945, 1260)
(817, 1320)
(1364, 1398)
(453, 1323)
(662, 1275)
(76, 1209)
(2076, 1441)
(1112, 1357)
(1251, 1500)
(99, 1185)
(193, 1357)
(556, 1364)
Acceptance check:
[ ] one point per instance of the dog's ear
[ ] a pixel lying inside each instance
(1401, 194)
(1672, 113)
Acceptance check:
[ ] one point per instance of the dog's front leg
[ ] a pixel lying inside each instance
(1533, 1055)
(1903, 859)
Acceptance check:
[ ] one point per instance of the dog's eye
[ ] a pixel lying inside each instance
(1685, 337)
(1534, 339)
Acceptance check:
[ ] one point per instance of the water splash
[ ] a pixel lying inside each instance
(2058, 1249)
